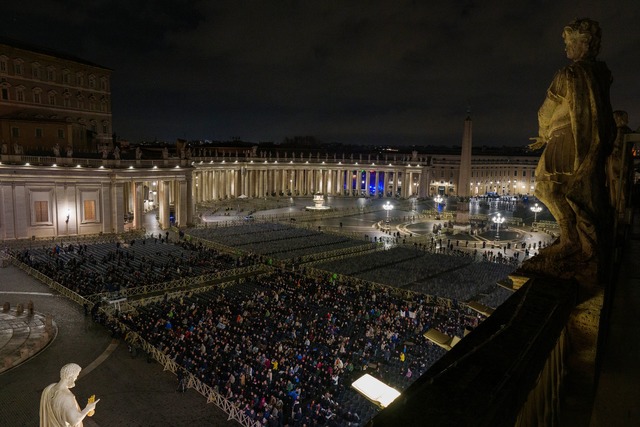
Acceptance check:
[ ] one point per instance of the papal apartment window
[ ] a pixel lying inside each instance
(35, 71)
(66, 77)
(38, 133)
(89, 210)
(51, 74)
(60, 133)
(41, 209)
(15, 132)
(20, 94)
(17, 68)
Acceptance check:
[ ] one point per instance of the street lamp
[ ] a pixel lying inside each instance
(387, 207)
(535, 210)
(498, 219)
(438, 199)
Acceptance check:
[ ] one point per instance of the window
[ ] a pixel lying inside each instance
(15, 132)
(38, 132)
(89, 210)
(66, 77)
(515, 173)
(17, 67)
(20, 94)
(37, 96)
(66, 101)
(35, 70)
(80, 79)
(92, 81)
(51, 74)
(5, 93)
(41, 209)
(3, 65)
(103, 83)
(60, 133)
(52, 98)
(524, 173)
(105, 127)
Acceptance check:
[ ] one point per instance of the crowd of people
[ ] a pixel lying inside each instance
(286, 347)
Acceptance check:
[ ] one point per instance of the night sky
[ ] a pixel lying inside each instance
(355, 72)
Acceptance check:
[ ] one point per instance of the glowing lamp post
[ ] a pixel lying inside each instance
(535, 209)
(387, 207)
(497, 220)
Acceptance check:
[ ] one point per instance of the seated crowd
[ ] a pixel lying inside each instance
(285, 348)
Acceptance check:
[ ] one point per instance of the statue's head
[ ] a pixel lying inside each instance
(585, 32)
(69, 373)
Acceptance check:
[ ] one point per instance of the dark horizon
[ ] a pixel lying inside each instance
(358, 73)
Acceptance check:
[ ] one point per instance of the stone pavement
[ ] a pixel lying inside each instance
(132, 392)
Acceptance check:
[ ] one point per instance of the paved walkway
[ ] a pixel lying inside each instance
(133, 392)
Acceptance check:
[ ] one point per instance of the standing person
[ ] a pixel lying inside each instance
(576, 128)
(58, 406)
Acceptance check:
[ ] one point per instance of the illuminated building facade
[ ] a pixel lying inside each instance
(49, 99)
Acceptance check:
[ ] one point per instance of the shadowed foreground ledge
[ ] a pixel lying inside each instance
(487, 378)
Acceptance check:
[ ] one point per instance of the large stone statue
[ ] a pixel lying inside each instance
(58, 406)
(576, 128)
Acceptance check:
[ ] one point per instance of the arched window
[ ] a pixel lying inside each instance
(20, 93)
(51, 73)
(36, 72)
(52, 96)
(18, 66)
(37, 95)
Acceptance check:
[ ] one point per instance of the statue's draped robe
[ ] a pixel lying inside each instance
(53, 410)
(576, 120)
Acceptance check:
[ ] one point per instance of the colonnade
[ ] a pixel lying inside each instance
(273, 180)
(175, 194)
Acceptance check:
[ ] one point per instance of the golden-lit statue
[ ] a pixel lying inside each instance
(58, 406)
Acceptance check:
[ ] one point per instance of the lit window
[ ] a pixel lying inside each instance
(41, 209)
(89, 210)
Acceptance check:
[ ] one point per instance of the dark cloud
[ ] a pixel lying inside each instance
(355, 72)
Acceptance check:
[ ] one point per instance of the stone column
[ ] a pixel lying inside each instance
(138, 204)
